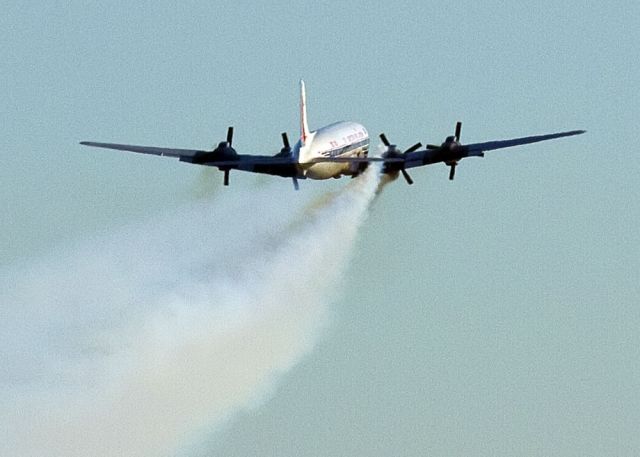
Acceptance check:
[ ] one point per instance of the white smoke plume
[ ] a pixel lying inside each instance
(135, 344)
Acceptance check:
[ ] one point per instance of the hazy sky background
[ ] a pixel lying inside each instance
(495, 315)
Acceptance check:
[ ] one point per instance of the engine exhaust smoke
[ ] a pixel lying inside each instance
(138, 343)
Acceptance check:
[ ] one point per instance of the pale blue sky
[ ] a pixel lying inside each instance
(496, 315)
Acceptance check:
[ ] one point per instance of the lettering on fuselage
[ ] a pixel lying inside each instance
(360, 146)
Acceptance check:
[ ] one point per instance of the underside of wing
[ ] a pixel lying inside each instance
(269, 165)
(169, 152)
(247, 160)
(491, 145)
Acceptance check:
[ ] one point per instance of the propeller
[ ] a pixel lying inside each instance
(413, 148)
(286, 147)
(229, 136)
(286, 151)
(393, 151)
(454, 144)
(451, 141)
(450, 144)
(452, 171)
(224, 150)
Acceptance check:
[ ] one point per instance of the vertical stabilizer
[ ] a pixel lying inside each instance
(304, 126)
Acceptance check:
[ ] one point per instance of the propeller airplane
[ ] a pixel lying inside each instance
(336, 150)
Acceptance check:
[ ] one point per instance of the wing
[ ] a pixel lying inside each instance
(273, 165)
(451, 151)
(491, 145)
(240, 161)
(282, 165)
(169, 152)
(460, 151)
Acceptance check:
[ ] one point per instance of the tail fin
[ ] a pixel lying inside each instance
(304, 126)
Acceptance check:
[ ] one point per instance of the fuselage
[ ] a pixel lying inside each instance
(341, 139)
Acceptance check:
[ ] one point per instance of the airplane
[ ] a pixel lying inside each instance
(336, 150)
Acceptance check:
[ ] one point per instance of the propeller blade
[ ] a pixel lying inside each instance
(413, 148)
(295, 183)
(384, 140)
(452, 172)
(226, 177)
(432, 146)
(285, 140)
(406, 176)
(458, 129)
(230, 135)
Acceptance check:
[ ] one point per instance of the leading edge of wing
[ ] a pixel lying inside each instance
(186, 154)
(169, 152)
(499, 144)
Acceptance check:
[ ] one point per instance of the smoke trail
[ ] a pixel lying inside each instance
(386, 178)
(136, 344)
